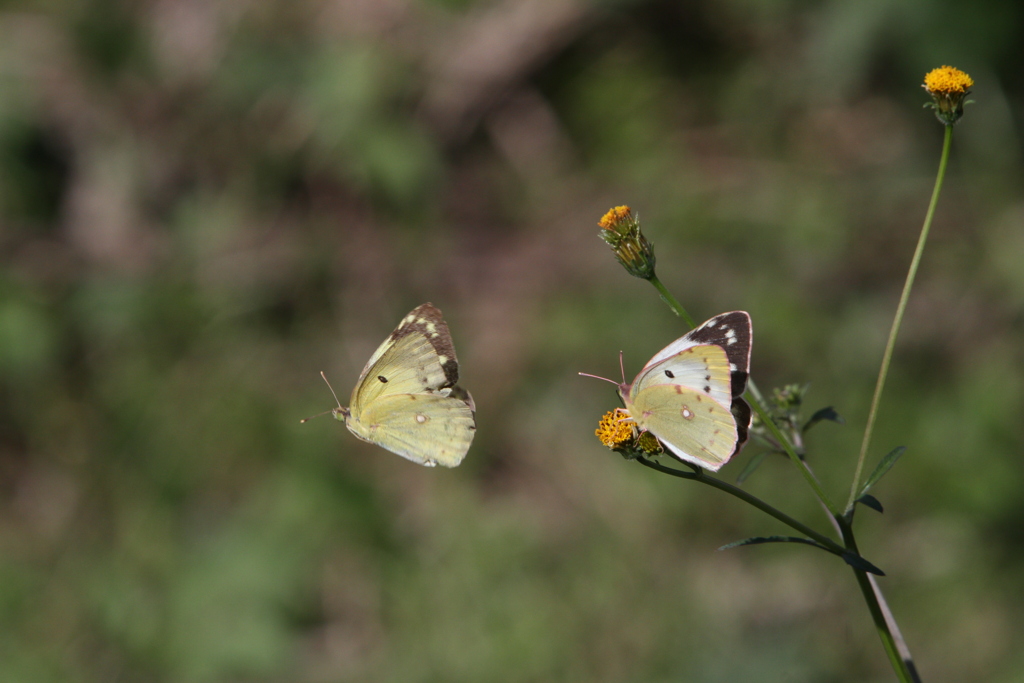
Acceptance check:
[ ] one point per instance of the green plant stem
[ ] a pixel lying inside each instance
(894, 629)
(667, 297)
(700, 476)
(898, 319)
(903, 668)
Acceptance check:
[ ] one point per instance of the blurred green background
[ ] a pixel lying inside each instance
(203, 204)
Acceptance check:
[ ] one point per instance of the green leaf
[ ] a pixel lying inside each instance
(828, 413)
(870, 501)
(852, 559)
(883, 466)
(754, 463)
(758, 540)
(858, 562)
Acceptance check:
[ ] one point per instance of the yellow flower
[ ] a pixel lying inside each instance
(615, 430)
(946, 80)
(620, 229)
(612, 219)
(948, 87)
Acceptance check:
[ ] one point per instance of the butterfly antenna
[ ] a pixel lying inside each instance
(587, 374)
(622, 368)
(307, 419)
(331, 388)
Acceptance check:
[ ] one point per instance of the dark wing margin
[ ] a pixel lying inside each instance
(741, 412)
(427, 320)
(734, 333)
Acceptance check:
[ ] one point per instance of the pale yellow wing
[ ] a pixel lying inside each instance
(732, 331)
(426, 428)
(692, 425)
(407, 399)
(703, 367)
(408, 366)
(418, 357)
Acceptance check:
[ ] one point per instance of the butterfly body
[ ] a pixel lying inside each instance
(407, 399)
(689, 394)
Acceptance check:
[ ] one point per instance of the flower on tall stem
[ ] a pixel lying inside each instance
(949, 88)
(620, 229)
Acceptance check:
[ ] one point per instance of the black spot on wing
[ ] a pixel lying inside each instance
(383, 379)
(668, 373)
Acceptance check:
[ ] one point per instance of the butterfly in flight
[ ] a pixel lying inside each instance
(407, 398)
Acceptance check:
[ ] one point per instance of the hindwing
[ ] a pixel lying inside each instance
(426, 428)
(689, 423)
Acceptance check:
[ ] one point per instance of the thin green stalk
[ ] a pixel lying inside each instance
(898, 319)
(903, 668)
(889, 645)
(667, 297)
(894, 629)
(748, 498)
(844, 529)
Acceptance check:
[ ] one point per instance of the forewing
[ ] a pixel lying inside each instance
(409, 366)
(732, 331)
(428, 429)
(692, 426)
(418, 357)
(703, 368)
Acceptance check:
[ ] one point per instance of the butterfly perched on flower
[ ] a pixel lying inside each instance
(689, 394)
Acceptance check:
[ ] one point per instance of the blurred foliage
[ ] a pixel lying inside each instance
(204, 204)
